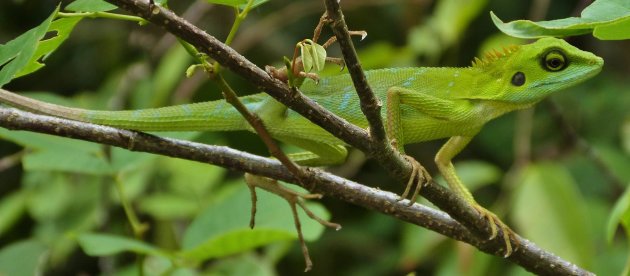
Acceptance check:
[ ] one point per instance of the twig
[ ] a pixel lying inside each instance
(528, 256)
(9, 161)
(370, 105)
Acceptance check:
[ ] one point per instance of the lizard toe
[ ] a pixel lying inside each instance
(497, 226)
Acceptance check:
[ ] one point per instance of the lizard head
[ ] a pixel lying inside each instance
(526, 74)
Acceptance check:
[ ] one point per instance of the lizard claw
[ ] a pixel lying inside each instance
(419, 177)
(509, 237)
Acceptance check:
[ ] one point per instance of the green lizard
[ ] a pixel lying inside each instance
(421, 104)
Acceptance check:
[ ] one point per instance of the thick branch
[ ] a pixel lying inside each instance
(528, 256)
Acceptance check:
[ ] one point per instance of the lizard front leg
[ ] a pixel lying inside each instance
(443, 160)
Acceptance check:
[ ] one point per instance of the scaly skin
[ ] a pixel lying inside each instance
(422, 104)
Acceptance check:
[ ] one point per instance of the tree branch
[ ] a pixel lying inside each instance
(528, 256)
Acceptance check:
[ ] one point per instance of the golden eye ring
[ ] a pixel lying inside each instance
(554, 61)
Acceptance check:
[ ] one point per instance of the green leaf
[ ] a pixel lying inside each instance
(50, 153)
(625, 136)
(223, 228)
(95, 244)
(237, 3)
(417, 244)
(168, 74)
(59, 160)
(319, 57)
(254, 5)
(313, 55)
(475, 174)
(169, 206)
(52, 197)
(549, 210)
(613, 31)
(90, 6)
(607, 19)
(446, 25)
(619, 215)
(12, 207)
(22, 258)
(243, 264)
(16, 54)
(62, 27)
(307, 57)
(63, 204)
(191, 179)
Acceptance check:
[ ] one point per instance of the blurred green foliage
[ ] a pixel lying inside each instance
(607, 20)
(557, 175)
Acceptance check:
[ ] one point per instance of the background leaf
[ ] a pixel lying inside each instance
(548, 208)
(222, 230)
(17, 53)
(607, 19)
(90, 6)
(237, 3)
(103, 244)
(22, 258)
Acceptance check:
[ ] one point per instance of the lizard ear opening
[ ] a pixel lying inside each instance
(518, 79)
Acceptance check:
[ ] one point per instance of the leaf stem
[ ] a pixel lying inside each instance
(108, 15)
(240, 16)
(137, 227)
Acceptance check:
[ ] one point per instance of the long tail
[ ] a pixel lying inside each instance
(211, 116)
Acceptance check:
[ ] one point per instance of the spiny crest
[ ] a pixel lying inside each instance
(494, 55)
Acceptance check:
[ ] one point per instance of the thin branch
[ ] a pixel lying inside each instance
(259, 127)
(9, 161)
(370, 104)
(528, 256)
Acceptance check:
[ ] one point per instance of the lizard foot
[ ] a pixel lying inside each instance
(294, 199)
(419, 177)
(509, 237)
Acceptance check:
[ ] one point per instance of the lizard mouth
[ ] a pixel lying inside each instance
(570, 81)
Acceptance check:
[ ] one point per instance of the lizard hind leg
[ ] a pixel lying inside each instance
(294, 199)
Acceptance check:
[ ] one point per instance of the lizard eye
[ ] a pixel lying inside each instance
(518, 79)
(554, 61)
